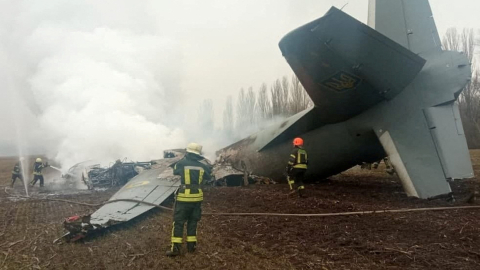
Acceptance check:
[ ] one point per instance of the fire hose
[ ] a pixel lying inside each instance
(267, 214)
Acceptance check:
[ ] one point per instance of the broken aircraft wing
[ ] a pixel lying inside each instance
(152, 186)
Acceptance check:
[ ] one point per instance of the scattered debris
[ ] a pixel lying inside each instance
(173, 153)
(152, 186)
(227, 175)
(95, 176)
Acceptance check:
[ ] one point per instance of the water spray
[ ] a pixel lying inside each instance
(60, 170)
(23, 165)
(23, 161)
(55, 168)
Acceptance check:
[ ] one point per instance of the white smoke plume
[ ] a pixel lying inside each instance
(103, 90)
(103, 98)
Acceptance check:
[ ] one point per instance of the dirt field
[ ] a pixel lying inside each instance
(421, 240)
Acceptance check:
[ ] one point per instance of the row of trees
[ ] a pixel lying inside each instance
(255, 109)
(469, 99)
(285, 97)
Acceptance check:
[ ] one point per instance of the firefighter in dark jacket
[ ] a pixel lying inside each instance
(38, 167)
(17, 171)
(297, 166)
(189, 197)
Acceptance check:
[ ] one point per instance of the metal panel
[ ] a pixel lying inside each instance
(153, 186)
(447, 133)
(407, 22)
(398, 164)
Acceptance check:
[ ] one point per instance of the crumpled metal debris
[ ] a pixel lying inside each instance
(150, 188)
(118, 174)
(227, 175)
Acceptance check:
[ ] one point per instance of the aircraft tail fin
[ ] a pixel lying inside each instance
(410, 23)
(345, 66)
(447, 132)
(427, 148)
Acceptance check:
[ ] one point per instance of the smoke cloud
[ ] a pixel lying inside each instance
(101, 90)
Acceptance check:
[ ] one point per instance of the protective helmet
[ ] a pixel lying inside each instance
(38, 160)
(298, 142)
(194, 148)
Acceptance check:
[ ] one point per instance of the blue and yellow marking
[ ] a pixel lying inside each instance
(137, 184)
(342, 81)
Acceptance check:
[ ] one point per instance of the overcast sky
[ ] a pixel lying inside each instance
(59, 57)
(241, 50)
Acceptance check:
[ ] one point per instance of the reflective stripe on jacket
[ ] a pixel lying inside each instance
(298, 159)
(16, 169)
(193, 173)
(37, 168)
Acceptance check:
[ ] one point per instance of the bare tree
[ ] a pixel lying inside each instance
(206, 117)
(451, 40)
(279, 99)
(250, 107)
(228, 123)
(242, 111)
(469, 99)
(285, 97)
(299, 98)
(264, 106)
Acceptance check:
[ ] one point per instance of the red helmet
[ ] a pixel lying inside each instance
(298, 142)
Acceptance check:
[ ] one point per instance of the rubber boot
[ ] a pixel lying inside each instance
(191, 247)
(301, 193)
(175, 251)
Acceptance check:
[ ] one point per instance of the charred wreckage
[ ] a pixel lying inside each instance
(386, 89)
(142, 191)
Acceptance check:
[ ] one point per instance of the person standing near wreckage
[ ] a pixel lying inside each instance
(38, 167)
(297, 166)
(189, 197)
(17, 171)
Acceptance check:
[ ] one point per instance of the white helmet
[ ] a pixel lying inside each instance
(38, 160)
(194, 148)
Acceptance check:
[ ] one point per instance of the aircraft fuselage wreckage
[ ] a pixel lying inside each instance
(389, 90)
(384, 92)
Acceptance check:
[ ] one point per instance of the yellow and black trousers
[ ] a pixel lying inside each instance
(296, 175)
(186, 212)
(37, 177)
(15, 176)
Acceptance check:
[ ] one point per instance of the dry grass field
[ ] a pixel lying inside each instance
(416, 240)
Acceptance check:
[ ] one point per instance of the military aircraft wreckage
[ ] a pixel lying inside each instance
(384, 90)
(389, 90)
(148, 189)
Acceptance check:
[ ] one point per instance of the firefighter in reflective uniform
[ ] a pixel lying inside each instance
(189, 198)
(38, 167)
(297, 166)
(17, 171)
(388, 165)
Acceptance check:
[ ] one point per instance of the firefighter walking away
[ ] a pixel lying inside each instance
(38, 167)
(297, 166)
(189, 197)
(17, 171)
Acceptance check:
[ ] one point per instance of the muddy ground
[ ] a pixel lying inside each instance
(418, 240)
